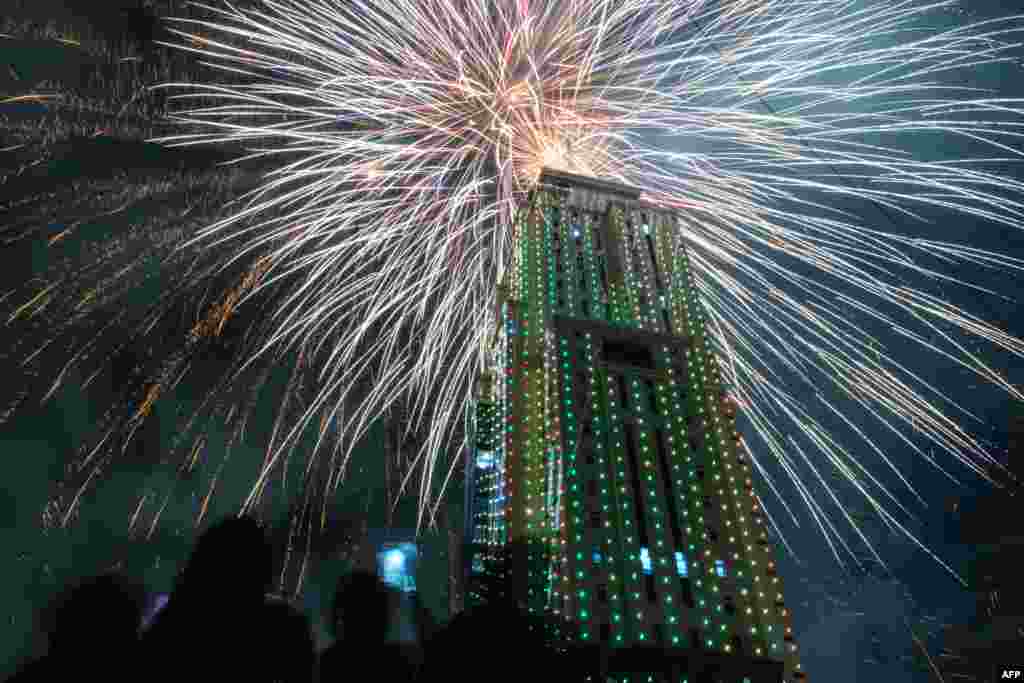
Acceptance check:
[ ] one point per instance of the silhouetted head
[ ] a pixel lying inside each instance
(232, 562)
(72, 620)
(365, 603)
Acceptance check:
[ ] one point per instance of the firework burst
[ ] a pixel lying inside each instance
(405, 133)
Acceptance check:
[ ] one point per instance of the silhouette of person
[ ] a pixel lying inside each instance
(426, 624)
(215, 622)
(92, 630)
(361, 617)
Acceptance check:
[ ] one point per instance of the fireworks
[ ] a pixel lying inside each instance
(404, 132)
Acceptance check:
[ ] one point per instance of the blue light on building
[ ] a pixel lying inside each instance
(645, 560)
(681, 568)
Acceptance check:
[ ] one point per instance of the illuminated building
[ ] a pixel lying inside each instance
(606, 449)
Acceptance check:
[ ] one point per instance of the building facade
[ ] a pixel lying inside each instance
(606, 450)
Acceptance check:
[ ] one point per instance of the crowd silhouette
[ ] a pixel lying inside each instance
(220, 623)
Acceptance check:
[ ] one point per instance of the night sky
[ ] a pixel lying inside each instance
(849, 629)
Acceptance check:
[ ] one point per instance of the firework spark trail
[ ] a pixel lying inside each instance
(96, 275)
(404, 133)
(455, 93)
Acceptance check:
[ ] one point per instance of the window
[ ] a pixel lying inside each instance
(654, 261)
(681, 568)
(720, 567)
(687, 593)
(623, 392)
(634, 473)
(645, 560)
(652, 396)
(673, 511)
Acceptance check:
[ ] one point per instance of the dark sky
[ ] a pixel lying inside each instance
(836, 619)
(864, 637)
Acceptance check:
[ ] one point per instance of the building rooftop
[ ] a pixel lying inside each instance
(550, 176)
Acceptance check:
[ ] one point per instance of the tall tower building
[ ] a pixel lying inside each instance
(606, 452)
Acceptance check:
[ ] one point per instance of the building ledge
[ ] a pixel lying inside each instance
(618, 332)
(697, 665)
